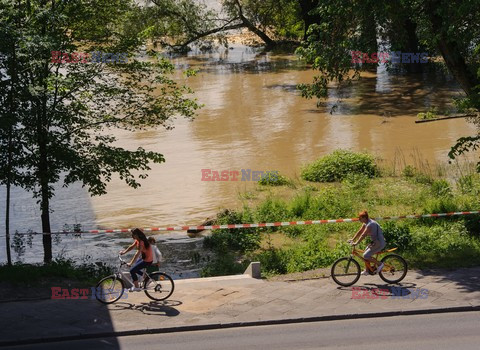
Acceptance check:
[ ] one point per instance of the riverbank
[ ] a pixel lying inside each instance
(425, 243)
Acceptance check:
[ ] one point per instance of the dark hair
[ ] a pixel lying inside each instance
(141, 236)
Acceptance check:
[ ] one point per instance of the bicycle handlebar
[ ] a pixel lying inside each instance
(121, 260)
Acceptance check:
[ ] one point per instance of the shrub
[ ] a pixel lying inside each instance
(397, 235)
(417, 176)
(444, 245)
(409, 171)
(59, 268)
(240, 240)
(273, 261)
(440, 205)
(357, 183)
(313, 255)
(469, 184)
(441, 188)
(271, 210)
(301, 204)
(273, 178)
(339, 164)
(222, 265)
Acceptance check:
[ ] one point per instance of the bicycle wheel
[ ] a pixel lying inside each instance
(395, 268)
(109, 289)
(159, 286)
(345, 271)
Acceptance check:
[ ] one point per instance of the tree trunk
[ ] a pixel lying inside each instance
(369, 35)
(452, 55)
(266, 39)
(47, 237)
(412, 45)
(306, 7)
(7, 222)
(44, 182)
(43, 171)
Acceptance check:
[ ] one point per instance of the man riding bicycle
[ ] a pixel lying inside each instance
(371, 228)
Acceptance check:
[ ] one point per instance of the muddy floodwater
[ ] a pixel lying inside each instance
(253, 118)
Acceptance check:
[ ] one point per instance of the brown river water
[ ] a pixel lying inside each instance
(255, 119)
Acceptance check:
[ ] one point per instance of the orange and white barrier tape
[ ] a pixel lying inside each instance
(270, 224)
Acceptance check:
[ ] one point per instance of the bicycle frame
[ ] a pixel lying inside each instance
(359, 253)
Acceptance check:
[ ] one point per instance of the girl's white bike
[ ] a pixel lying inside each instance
(156, 285)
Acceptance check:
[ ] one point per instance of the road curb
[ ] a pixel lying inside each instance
(212, 326)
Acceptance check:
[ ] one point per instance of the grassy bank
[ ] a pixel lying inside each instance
(352, 182)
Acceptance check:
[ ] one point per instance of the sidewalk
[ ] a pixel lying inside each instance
(233, 301)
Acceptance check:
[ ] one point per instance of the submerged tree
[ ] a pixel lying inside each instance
(68, 107)
(179, 23)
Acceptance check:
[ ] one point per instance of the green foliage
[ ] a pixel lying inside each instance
(444, 244)
(338, 165)
(416, 175)
(357, 183)
(224, 264)
(409, 171)
(313, 255)
(272, 261)
(59, 268)
(464, 145)
(300, 204)
(397, 235)
(440, 205)
(469, 184)
(271, 210)
(441, 188)
(432, 113)
(273, 178)
(240, 240)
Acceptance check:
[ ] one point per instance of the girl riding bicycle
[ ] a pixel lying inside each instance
(145, 249)
(371, 228)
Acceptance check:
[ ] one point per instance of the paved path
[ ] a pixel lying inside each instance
(213, 303)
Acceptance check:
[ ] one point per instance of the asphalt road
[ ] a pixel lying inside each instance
(456, 331)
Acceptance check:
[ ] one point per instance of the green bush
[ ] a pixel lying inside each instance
(300, 204)
(440, 205)
(59, 268)
(271, 210)
(273, 178)
(397, 235)
(441, 188)
(358, 184)
(313, 256)
(445, 244)
(273, 261)
(336, 166)
(409, 171)
(223, 265)
(469, 184)
(239, 240)
(417, 176)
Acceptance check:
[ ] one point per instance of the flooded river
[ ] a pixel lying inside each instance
(255, 119)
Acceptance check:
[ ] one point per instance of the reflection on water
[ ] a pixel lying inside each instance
(253, 119)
